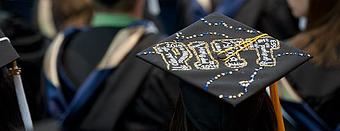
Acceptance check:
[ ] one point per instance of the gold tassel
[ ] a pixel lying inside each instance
(277, 106)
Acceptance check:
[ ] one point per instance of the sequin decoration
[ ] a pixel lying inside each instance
(174, 54)
(222, 23)
(201, 55)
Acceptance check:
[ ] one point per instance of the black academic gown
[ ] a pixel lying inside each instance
(136, 96)
(320, 88)
(269, 16)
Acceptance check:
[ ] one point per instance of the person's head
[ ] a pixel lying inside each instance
(53, 16)
(75, 13)
(131, 7)
(323, 28)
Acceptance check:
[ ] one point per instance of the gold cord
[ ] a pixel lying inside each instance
(242, 46)
(277, 106)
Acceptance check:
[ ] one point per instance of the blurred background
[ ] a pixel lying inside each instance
(311, 25)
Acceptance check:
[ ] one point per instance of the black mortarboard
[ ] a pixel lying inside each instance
(7, 52)
(230, 61)
(224, 57)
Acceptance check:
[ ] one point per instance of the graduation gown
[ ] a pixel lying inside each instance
(135, 96)
(270, 16)
(319, 87)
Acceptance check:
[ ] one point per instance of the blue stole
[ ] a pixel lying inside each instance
(305, 115)
(230, 7)
(62, 105)
(298, 112)
(196, 10)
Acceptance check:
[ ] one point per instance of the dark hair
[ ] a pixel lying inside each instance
(9, 110)
(66, 11)
(123, 5)
(262, 118)
(320, 12)
(179, 120)
(323, 29)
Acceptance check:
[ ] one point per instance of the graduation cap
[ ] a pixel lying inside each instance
(9, 55)
(224, 58)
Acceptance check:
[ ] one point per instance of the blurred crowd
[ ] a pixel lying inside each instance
(71, 81)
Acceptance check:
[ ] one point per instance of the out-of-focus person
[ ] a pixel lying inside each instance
(270, 16)
(318, 80)
(56, 15)
(18, 24)
(93, 80)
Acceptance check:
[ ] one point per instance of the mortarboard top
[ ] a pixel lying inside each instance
(224, 57)
(230, 61)
(7, 52)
